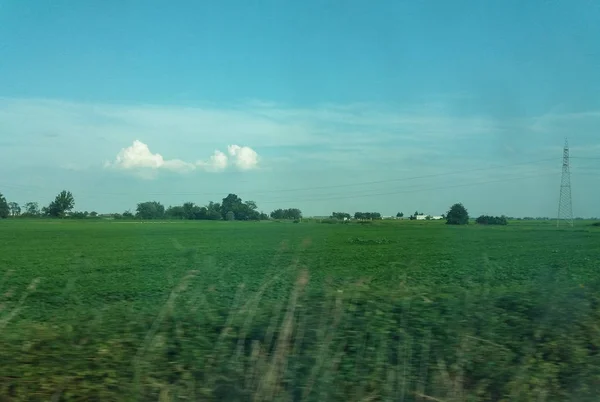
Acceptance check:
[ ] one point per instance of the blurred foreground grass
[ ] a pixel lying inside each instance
(492, 332)
(354, 343)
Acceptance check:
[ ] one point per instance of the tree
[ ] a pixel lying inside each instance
(213, 211)
(230, 216)
(231, 203)
(176, 212)
(251, 205)
(492, 220)
(400, 215)
(341, 215)
(200, 213)
(242, 211)
(190, 211)
(93, 214)
(31, 209)
(367, 215)
(150, 210)
(293, 213)
(4, 208)
(15, 209)
(457, 215)
(63, 203)
(277, 214)
(251, 210)
(290, 213)
(78, 215)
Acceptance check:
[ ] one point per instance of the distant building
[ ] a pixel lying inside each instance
(429, 217)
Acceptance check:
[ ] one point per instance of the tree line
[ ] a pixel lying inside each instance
(232, 207)
(362, 216)
(63, 203)
(456, 215)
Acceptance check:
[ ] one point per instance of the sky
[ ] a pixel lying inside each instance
(386, 106)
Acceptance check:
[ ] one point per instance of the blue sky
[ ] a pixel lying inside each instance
(322, 105)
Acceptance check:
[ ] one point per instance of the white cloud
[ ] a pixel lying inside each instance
(141, 160)
(217, 162)
(245, 158)
(139, 156)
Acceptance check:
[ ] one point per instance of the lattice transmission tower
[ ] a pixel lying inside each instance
(565, 204)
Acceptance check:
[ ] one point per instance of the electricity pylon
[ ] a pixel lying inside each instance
(565, 204)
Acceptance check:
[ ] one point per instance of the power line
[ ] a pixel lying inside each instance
(350, 193)
(409, 191)
(314, 187)
(403, 178)
(404, 191)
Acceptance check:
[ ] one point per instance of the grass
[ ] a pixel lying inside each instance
(406, 310)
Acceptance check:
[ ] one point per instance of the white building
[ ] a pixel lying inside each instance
(433, 218)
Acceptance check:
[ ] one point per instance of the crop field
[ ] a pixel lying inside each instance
(401, 310)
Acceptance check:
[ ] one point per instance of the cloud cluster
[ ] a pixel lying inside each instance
(138, 157)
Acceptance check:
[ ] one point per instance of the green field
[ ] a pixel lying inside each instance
(105, 310)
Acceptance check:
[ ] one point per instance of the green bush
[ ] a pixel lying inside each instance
(492, 220)
(330, 221)
(359, 240)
